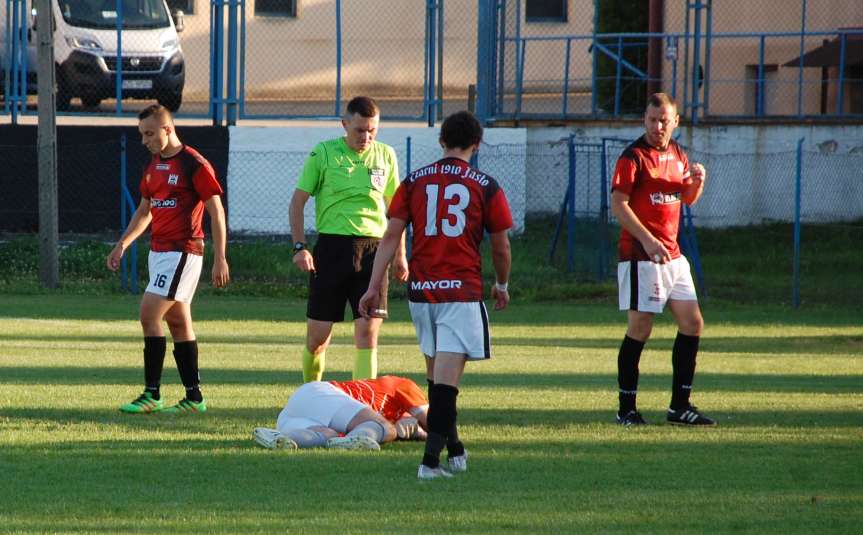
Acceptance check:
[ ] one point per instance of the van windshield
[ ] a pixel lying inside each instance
(103, 13)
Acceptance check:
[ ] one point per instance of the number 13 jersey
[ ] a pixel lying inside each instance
(450, 204)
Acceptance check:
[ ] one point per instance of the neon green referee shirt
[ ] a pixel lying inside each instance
(350, 189)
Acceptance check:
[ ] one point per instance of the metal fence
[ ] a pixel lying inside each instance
(256, 59)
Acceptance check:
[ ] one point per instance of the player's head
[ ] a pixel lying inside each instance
(461, 130)
(156, 126)
(660, 119)
(361, 123)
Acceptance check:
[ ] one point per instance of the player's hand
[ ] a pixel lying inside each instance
(501, 297)
(304, 261)
(406, 427)
(696, 176)
(115, 256)
(221, 273)
(400, 268)
(657, 252)
(368, 302)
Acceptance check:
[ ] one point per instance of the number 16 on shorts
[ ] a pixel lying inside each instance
(174, 275)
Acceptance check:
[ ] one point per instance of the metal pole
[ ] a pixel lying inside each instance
(123, 262)
(759, 102)
(800, 70)
(432, 48)
(594, 88)
(617, 74)
(696, 62)
(118, 81)
(708, 48)
(232, 62)
(840, 105)
(15, 71)
(440, 29)
(408, 154)
(7, 82)
(795, 293)
(570, 237)
(338, 103)
(49, 266)
(242, 74)
(566, 76)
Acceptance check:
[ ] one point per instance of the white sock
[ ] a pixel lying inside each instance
(307, 438)
(370, 429)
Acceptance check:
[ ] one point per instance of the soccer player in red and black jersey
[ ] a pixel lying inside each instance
(177, 186)
(652, 178)
(450, 205)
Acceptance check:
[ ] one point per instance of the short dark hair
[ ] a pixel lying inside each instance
(364, 106)
(658, 100)
(460, 130)
(156, 110)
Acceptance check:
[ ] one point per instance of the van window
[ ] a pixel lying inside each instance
(103, 13)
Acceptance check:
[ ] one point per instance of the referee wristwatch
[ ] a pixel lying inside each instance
(299, 246)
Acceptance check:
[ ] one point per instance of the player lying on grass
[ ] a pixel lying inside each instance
(360, 414)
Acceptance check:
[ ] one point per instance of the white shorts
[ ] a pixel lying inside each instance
(174, 275)
(318, 404)
(453, 328)
(649, 286)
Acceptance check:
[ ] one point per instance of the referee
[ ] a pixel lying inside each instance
(352, 178)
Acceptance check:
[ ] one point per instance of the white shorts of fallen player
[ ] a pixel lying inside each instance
(174, 275)
(452, 328)
(318, 404)
(647, 286)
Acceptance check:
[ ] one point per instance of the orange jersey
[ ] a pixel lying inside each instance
(389, 396)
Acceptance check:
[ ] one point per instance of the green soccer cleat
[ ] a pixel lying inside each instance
(186, 405)
(143, 404)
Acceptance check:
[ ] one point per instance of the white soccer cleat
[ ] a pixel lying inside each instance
(425, 473)
(272, 439)
(353, 443)
(457, 463)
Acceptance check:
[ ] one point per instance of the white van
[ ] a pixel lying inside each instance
(85, 51)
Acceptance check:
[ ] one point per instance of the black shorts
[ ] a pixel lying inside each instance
(343, 267)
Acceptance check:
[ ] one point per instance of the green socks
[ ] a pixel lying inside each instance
(313, 366)
(366, 364)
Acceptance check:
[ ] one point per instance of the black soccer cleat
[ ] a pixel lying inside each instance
(689, 416)
(631, 418)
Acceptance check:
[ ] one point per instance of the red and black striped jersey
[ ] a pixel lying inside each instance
(450, 205)
(654, 181)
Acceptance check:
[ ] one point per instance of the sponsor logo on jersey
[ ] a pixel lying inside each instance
(378, 177)
(163, 203)
(172, 179)
(446, 284)
(163, 166)
(664, 198)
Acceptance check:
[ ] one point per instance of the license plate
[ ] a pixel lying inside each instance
(137, 84)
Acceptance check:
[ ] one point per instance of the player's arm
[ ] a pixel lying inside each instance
(386, 249)
(400, 260)
(221, 273)
(501, 259)
(628, 220)
(137, 225)
(694, 186)
(303, 258)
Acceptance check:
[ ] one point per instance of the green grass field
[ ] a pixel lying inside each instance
(786, 387)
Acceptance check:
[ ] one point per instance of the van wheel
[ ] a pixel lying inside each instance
(91, 102)
(171, 101)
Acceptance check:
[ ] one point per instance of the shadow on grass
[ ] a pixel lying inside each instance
(588, 382)
(774, 345)
(217, 420)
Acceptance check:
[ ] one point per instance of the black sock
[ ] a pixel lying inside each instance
(683, 365)
(186, 356)
(154, 358)
(441, 417)
(627, 373)
(454, 446)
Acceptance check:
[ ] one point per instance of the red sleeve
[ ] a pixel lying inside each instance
(399, 206)
(205, 182)
(624, 175)
(498, 216)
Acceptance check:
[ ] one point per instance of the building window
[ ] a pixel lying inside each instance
(276, 8)
(545, 10)
(186, 6)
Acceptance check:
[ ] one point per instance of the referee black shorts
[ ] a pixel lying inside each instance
(343, 267)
